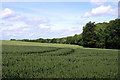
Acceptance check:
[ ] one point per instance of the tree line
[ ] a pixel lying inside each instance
(94, 35)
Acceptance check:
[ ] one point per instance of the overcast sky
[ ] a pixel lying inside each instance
(32, 20)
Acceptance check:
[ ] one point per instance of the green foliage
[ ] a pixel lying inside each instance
(102, 35)
(112, 39)
(43, 60)
(89, 35)
(76, 39)
(12, 39)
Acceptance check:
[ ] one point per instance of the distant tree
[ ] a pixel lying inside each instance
(63, 40)
(12, 39)
(40, 40)
(54, 40)
(69, 40)
(25, 39)
(80, 40)
(48, 40)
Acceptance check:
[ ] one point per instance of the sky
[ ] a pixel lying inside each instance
(33, 20)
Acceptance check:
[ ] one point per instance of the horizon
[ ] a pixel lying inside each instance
(51, 19)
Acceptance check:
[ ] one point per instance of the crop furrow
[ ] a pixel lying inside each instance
(43, 51)
(65, 53)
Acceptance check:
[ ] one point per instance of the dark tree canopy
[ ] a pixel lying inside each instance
(112, 39)
(89, 35)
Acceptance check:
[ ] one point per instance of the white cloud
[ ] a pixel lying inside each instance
(101, 10)
(44, 26)
(31, 27)
(15, 18)
(9, 14)
(37, 21)
(31, 32)
(5, 24)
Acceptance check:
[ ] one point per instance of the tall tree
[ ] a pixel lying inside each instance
(112, 39)
(100, 34)
(89, 35)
